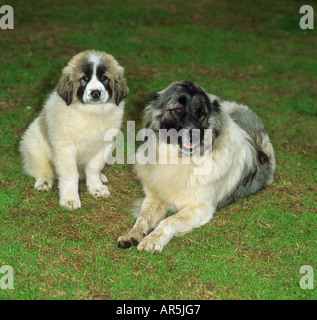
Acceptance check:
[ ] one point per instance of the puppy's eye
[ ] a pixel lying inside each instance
(85, 78)
(179, 110)
(103, 78)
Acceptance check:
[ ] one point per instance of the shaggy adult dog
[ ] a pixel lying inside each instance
(238, 160)
(67, 138)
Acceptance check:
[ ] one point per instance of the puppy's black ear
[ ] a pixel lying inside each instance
(65, 88)
(121, 90)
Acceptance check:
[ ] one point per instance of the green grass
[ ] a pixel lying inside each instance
(254, 54)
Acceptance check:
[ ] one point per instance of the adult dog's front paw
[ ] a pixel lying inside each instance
(130, 239)
(70, 204)
(152, 243)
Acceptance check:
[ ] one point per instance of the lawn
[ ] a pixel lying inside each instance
(252, 52)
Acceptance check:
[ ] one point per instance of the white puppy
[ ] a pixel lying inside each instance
(67, 139)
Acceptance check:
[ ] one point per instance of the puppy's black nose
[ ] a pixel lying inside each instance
(95, 94)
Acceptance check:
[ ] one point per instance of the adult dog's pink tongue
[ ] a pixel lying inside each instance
(188, 145)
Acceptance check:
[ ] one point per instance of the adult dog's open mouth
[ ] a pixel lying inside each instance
(190, 141)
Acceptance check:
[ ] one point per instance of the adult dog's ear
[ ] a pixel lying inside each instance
(154, 96)
(156, 100)
(65, 88)
(120, 89)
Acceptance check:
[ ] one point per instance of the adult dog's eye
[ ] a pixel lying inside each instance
(178, 110)
(103, 78)
(85, 78)
(200, 114)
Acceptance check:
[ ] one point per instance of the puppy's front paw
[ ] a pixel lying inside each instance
(130, 239)
(152, 243)
(101, 191)
(103, 178)
(70, 204)
(43, 184)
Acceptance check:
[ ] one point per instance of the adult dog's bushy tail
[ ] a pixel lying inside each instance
(253, 125)
(261, 173)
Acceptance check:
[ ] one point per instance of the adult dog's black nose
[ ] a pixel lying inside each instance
(95, 94)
